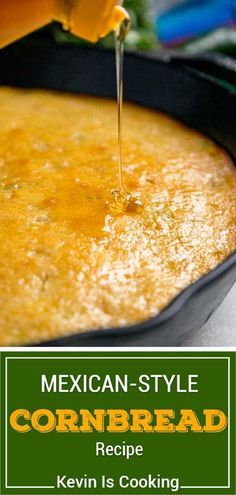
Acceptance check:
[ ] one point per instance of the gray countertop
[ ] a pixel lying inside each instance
(220, 330)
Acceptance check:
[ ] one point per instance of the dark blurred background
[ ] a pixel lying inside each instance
(192, 26)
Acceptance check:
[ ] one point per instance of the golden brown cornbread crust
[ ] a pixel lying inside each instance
(67, 265)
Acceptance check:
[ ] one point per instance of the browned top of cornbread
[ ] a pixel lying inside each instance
(66, 264)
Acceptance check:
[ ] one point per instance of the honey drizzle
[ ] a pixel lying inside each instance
(119, 47)
(122, 201)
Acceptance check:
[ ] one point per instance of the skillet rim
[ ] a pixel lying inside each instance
(171, 310)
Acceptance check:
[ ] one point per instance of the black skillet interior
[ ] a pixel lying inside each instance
(177, 85)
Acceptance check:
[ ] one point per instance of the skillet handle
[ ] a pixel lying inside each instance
(214, 65)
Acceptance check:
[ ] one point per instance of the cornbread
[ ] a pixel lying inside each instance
(67, 264)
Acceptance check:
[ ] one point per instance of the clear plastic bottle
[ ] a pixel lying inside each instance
(89, 19)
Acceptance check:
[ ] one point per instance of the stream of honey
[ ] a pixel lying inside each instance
(122, 201)
(119, 47)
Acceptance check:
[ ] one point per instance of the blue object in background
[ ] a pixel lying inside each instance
(194, 18)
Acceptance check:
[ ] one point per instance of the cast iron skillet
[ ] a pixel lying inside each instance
(184, 87)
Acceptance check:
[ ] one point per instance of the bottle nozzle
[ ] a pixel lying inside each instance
(120, 19)
(123, 26)
(92, 22)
